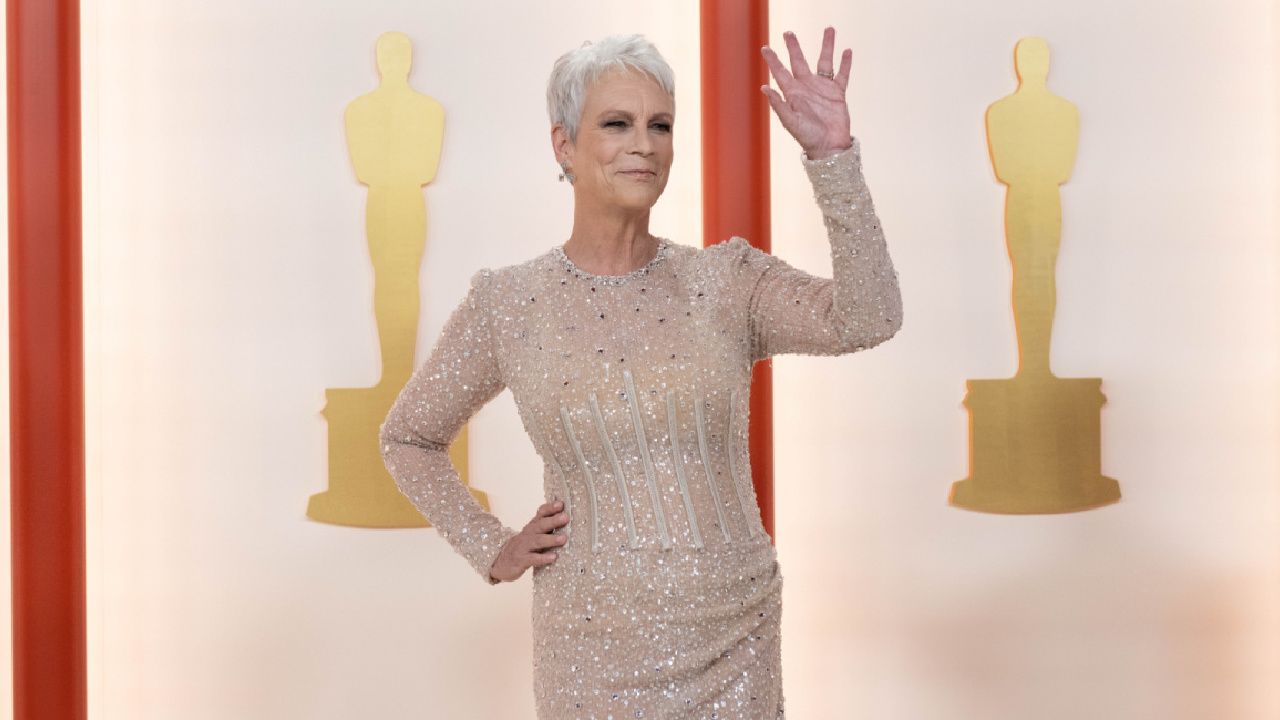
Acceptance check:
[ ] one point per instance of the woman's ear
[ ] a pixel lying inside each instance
(561, 145)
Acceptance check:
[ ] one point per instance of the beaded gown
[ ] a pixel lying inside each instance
(665, 601)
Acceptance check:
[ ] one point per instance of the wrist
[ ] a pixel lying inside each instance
(822, 152)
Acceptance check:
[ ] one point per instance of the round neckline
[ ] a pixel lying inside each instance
(664, 249)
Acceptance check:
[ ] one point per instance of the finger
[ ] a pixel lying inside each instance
(547, 524)
(828, 47)
(799, 66)
(846, 62)
(545, 558)
(549, 508)
(780, 73)
(543, 512)
(785, 113)
(542, 542)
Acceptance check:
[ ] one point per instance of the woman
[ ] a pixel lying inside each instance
(629, 358)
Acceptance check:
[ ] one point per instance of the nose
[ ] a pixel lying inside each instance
(643, 144)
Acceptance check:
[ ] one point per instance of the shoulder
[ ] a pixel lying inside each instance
(481, 281)
(728, 269)
(490, 285)
(737, 255)
(521, 270)
(735, 250)
(478, 292)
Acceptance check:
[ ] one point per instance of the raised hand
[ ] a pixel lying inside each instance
(814, 110)
(525, 550)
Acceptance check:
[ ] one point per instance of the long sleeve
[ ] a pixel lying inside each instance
(859, 307)
(461, 375)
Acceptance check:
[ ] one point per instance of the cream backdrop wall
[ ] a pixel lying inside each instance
(227, 286)
(1162, 606)
(230, 286)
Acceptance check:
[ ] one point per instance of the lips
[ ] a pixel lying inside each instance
(639, 173)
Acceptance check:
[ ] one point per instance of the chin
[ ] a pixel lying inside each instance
(640, 206)
(639, 202)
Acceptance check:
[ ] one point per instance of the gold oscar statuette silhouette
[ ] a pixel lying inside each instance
(1034, 439)
(394, 136)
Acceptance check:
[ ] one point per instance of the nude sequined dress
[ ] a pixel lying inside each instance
(665, 602)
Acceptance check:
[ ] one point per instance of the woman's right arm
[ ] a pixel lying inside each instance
(460, 376)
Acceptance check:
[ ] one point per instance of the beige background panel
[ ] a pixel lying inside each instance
(231, 285)
(1164, 604)
(218, 298)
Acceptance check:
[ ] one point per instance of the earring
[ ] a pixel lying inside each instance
(565, 174)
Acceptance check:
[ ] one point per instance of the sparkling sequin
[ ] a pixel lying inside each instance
(738, 482)
(678, 462)
(712, 485)
(669, 606)
(642, 446)
(664, 251)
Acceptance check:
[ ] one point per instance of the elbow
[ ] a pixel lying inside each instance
(891, 315)
(892, 323)
(386, 441)
(401, 455)
(862, 326)
(394, 436)
(389, 447)
(393, 441)
(871, 340)
(889, 321)
(875, 331)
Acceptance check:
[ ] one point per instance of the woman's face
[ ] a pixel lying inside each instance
(623, 152)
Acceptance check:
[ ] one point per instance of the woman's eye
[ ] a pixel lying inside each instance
(616, 123)
(664, 127)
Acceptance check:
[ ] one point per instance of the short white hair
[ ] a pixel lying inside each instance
(574, 72)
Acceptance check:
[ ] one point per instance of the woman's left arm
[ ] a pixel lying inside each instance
(860, 306)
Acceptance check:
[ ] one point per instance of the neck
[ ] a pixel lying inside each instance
(610, 243)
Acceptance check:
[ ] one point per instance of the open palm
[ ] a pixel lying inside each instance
(812, 105)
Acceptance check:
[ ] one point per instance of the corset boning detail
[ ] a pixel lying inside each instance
(652, 472)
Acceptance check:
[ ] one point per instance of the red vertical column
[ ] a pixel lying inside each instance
(735, 175)
(46, 379)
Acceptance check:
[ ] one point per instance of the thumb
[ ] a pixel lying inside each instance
(785, 113)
